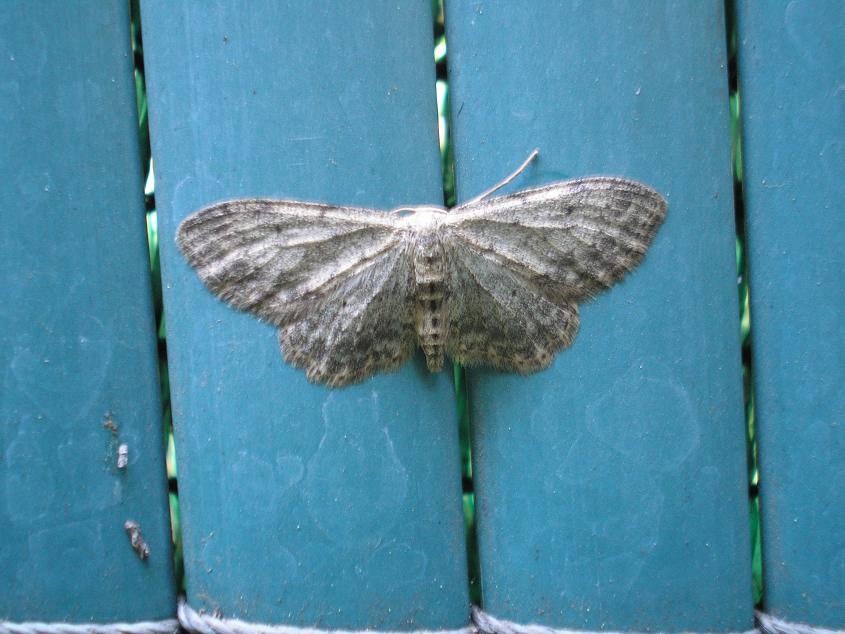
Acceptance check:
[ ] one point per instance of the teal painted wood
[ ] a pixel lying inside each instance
(611, 489)
(301, 504)
(77, 330)
(792, 73)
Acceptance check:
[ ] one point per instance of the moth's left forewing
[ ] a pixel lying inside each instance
(578, 236)
(520, 263)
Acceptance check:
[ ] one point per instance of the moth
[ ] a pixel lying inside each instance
(494, 281)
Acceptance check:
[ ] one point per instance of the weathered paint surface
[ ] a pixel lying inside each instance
(301, 504)
(792, 84)
(611, 489)
(77, 341)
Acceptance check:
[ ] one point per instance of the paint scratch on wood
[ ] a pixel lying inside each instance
(122, 456)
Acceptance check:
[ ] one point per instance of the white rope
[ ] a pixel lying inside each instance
(767, 624)
(193, 621)
(170, 626)
(482, 623)
(488, 624)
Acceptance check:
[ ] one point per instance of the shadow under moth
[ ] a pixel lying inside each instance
(494, 281)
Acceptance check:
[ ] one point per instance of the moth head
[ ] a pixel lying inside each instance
(419, 217)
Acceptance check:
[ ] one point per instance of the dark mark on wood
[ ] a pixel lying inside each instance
(136, 539)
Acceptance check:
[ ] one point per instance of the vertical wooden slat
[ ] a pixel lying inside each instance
(77, 340)
(301, 504)
(611, 489)
(792, 88)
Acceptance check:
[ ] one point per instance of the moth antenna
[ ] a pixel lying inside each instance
(507, 180)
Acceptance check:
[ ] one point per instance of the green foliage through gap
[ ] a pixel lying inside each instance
(155, 274)
(744, 306)
(447, 165)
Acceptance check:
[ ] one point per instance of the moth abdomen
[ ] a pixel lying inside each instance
(430, 294)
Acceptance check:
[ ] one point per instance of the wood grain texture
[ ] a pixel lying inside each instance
(611, 489)
(792, 85)
(301, 505)
(77, 328)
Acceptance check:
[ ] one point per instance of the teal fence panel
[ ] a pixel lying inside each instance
(612, 489)
(792, 74)
(77, 329)
(301, 504)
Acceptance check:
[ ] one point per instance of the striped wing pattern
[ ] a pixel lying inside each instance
(335, 280)
(520, 263)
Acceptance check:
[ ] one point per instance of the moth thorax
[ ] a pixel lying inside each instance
(430, 273)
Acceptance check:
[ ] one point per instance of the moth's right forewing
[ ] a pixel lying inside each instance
(266, 256)
(336, 280)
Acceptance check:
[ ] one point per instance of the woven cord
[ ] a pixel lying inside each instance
(767, 624)
(488, 624)
(193, 621)
(482, 623)
(169, 626)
